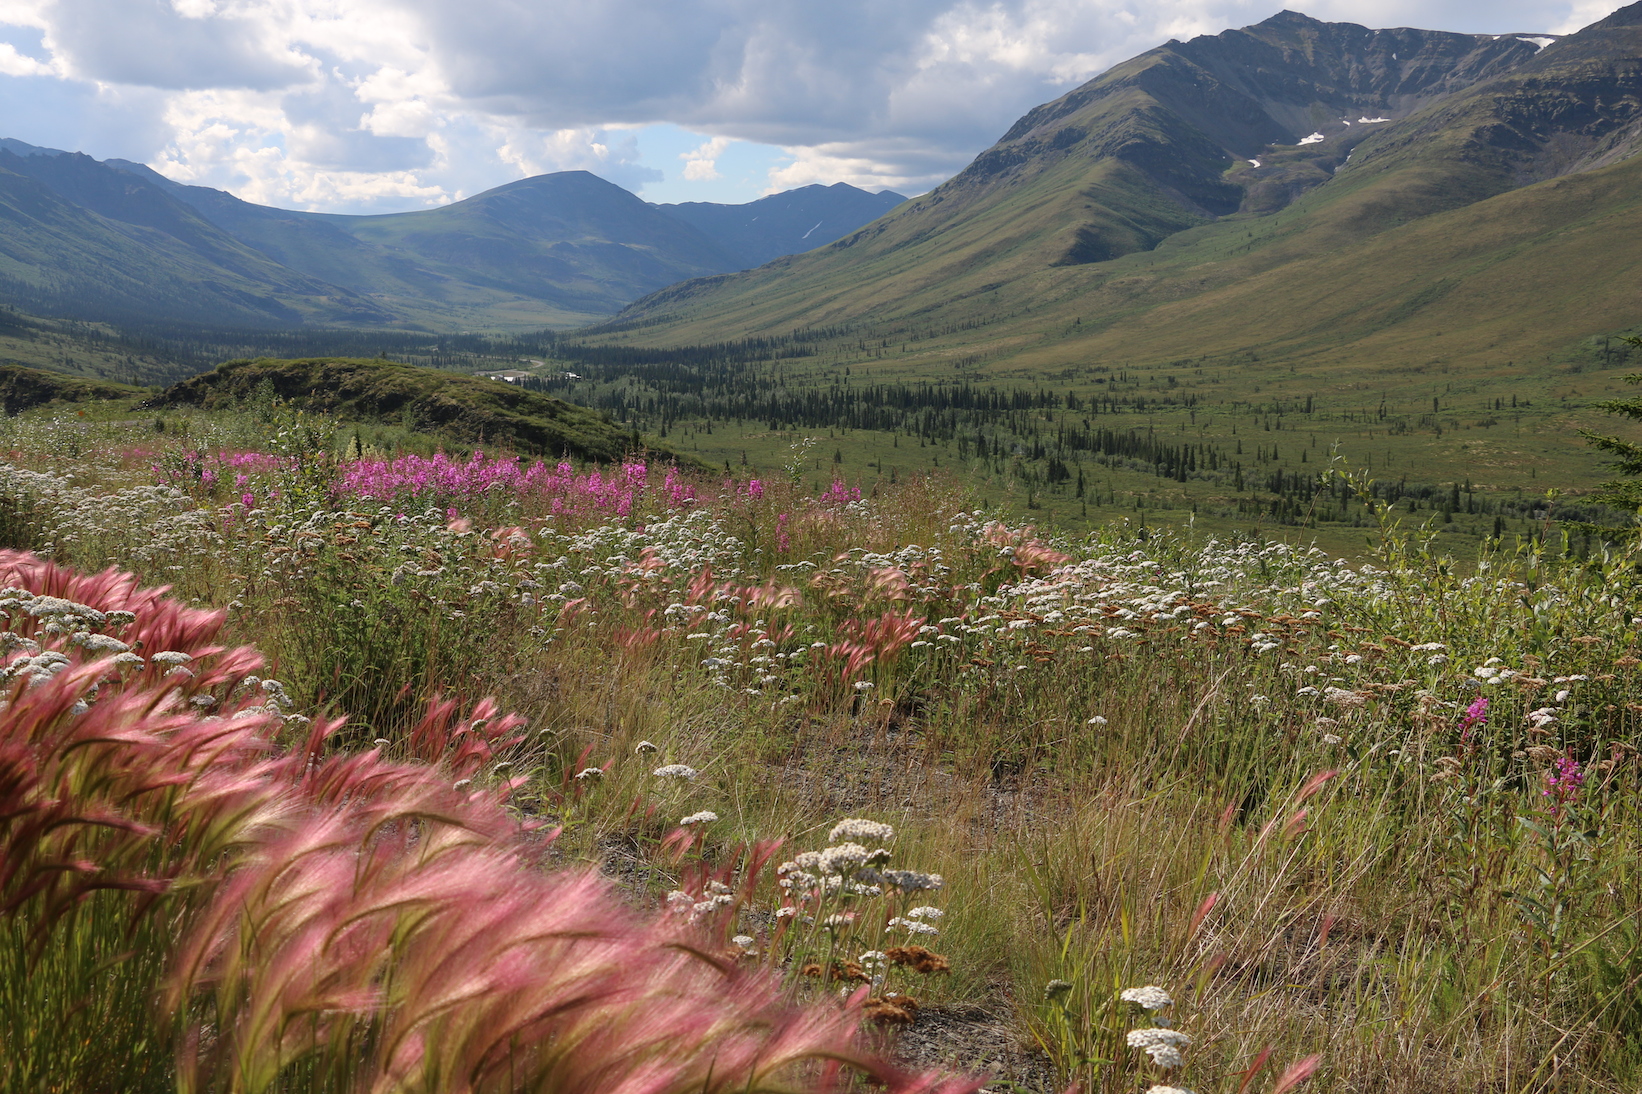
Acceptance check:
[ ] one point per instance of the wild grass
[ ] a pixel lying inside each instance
(1382, 814)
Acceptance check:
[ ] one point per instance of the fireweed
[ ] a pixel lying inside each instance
(345, 921)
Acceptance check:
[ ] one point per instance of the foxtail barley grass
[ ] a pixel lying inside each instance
(312, 921)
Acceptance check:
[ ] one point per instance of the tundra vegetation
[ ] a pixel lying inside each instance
(312, 753)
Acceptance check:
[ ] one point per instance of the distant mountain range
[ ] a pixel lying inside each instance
(115, 240)
(1294, 187)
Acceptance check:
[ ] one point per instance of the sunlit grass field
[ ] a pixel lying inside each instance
(1368, 823)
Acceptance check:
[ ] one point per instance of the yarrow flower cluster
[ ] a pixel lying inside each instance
(1150, 997)
(675, 771)
(706, 816)
(854, 828)
(1162, 1045)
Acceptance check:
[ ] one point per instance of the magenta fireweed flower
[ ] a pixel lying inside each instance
(839, 495)
(1476, 715)
(349, 913)
(611, 491)
(1563, 784)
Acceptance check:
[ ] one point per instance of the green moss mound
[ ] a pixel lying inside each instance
(25, 388)
(460, 409)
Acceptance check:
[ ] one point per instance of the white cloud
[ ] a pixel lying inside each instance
(13, 63)
(701, 164)
(364, 103)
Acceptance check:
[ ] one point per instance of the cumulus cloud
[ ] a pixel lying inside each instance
(391, 103)
(701, 163)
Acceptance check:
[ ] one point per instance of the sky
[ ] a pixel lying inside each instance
(367, 106)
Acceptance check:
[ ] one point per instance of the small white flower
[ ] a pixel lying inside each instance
(1162, 1045)
(645, 747)
(856, 828)
(863, 685)
(1097, 720)
(1151, 997)
(172, 657)
(675, 771)
(1166, 1056)
(588, 774)
(911, 926)
(925, 912)
(844, 858)
(911, 881)
(745, 941)
(706, 816)
(1147, 1038)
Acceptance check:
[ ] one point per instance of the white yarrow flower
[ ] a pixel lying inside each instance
(862, 831)
(1151, 997)
(706, 816)
(675, 771)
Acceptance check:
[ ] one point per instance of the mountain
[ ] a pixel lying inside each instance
(1298, 186)
(80, 236)
(120, 239)
(787, 223)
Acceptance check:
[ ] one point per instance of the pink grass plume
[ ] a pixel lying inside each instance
(1296, 1073)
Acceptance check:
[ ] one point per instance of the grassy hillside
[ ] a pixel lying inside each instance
(463, 409)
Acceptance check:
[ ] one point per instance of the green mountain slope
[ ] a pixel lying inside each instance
(570, 239)
(790, 222)
(1131, 204)
(76, 236)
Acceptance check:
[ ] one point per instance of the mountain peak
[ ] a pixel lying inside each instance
(1628, 16)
